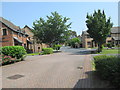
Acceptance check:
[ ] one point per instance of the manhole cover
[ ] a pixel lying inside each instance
(17, 76)
(80, 67)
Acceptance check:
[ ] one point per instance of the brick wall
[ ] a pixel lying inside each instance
(7, 40)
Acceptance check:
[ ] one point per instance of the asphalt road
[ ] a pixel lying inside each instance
(60, 70)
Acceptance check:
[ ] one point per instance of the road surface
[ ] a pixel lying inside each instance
(67, 69)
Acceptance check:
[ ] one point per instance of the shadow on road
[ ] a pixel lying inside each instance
(92, 81)
(80, 53)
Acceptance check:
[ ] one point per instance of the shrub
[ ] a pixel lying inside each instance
(57, 47)
(47, 50)
(14, 51)
(108, 67)
(109, 45)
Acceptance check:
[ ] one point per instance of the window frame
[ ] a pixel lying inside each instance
(3, 31)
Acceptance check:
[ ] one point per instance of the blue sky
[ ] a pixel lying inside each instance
(25, 13)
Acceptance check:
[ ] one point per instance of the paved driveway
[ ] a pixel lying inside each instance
(59, 70)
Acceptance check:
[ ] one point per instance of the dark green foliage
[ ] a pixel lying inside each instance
(109, 45)
(47, 50)
(73, 42)
(98, 27)
(14, 51)
(57, 47)
(108, 67)
(54, 30)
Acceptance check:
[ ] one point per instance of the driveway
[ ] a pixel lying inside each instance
(60, 70)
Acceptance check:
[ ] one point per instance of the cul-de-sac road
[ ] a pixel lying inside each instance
(66, 69)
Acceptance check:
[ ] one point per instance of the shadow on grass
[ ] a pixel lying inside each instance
(92, 81)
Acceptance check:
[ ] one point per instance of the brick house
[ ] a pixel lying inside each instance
(113, 38)
(11, 35)
(115, 34)
(31, 42)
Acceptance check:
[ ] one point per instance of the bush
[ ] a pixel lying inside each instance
(108, 67)
(109, 45)
(47, 50)
(57, 47)
(14, 51)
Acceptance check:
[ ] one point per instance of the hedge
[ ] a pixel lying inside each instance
(108, 67)
(12, 53)
(57, 47)
(47, 50)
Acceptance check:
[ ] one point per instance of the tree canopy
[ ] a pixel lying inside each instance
(74, 42)
(98, 27)
(54, 30)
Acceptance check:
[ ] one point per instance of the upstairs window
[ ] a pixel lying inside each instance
(88, 36)
(4, 31)
(19, 34)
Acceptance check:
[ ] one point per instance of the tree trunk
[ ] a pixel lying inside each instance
(99, 47)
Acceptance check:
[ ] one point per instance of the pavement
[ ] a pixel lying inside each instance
(66, 69)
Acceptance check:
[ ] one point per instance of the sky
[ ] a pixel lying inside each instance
(25, 13)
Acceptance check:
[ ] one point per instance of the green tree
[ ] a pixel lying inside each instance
(98, 27)
(72, 34)
(69, 35)
(74, 42)
(52, 31)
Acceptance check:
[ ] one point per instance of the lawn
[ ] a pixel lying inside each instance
(109, 51)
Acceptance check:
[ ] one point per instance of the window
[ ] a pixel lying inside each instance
(38, 47)
(89, 43)
(4, 31)
(88, 36)
(24, 36)
(19, 34)
(29, 38)
(109, 41)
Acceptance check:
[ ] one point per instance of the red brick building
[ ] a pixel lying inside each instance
(31, 42)
(11, 35)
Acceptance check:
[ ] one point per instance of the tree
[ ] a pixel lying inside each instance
(54, 30)
(74, 42)
(72, 34)
(98, 27)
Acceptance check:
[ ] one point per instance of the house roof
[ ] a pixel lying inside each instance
(8, 23)
(17, 39)
(116, 38)
(11, 25)
(115, 30)
(84, 32)
(23, 29)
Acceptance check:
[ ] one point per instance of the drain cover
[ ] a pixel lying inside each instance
(17, 76)
(80, 67)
